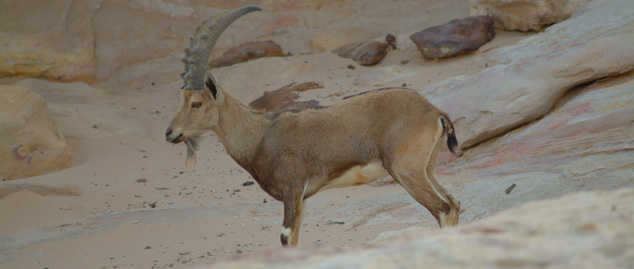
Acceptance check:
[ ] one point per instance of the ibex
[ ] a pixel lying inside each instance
(297, 154)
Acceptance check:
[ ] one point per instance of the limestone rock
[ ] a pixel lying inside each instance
(368, 52)
(590, 229)
(526, 80)
(455, 37)
(586, 142)
(247, 51)
(525, 15)
(330, 39)
(32, 143)
(54, 40)
(130, 32)
(67, 40)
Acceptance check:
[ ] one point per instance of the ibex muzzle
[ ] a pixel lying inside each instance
(293, 156)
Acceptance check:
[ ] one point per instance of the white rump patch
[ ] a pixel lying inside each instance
(358, 175)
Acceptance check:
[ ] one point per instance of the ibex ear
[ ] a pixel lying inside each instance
(213, 89)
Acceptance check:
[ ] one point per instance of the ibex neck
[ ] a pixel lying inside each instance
(240, 129)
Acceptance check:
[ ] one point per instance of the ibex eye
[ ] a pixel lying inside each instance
(196, 104)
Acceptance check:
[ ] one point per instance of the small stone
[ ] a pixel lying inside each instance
(141, 180)
(509, 189)
(248, 183)
(365, 53)
(152, 205)
(148, 247)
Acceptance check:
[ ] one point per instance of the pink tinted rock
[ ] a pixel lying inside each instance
(524, 81)
(585, 225)
(454, 38)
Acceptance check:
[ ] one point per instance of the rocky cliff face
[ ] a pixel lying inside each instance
(523, 82)
(538, 116)
(89, 41)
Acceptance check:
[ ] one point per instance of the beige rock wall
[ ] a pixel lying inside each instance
(526, 15)
(92, 40)
(32, 143)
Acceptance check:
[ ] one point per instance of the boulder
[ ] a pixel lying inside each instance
(246, 52)
(368, 52)
(525, 15)
(587, 230)
(454, 38)
(523, 82)
(32, 144)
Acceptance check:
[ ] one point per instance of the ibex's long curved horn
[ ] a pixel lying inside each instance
(203, 41)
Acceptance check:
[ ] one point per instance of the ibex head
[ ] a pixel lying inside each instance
(200, 97)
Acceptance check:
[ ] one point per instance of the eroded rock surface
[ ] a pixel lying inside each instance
(86, 40)
(247, 51)
(32, 143)
(526, 15)
(585, 143)
(84, 112)
(454, 38)
(590, 229)
(284, 99)
(526, 80)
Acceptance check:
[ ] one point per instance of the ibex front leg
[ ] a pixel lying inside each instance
(293, 213)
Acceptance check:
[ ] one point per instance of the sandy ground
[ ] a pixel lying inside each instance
(129, 202)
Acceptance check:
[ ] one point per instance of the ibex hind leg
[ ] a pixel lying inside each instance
(418, 185)
(412, 165)
(452, 217)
